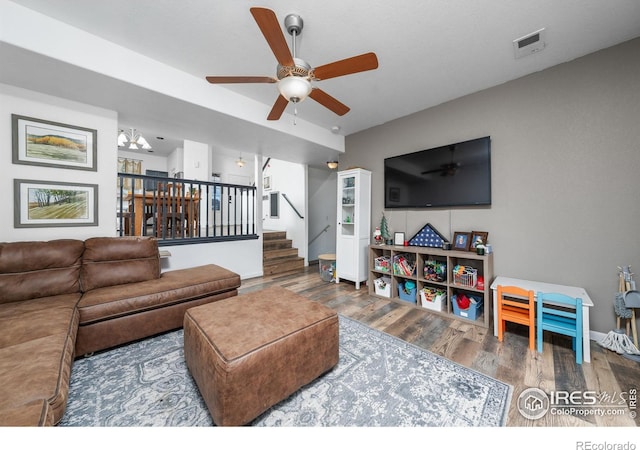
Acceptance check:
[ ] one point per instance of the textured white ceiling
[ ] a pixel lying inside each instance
(429, 51)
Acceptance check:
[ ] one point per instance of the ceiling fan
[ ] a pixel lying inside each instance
(448, 169)
(294, 75)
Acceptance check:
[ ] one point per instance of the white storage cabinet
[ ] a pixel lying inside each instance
(354, 225)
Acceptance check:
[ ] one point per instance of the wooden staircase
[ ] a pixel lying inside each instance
(278, 256)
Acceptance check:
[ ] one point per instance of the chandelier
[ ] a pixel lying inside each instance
(133, 138)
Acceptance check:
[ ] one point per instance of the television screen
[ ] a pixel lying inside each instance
(452, 175)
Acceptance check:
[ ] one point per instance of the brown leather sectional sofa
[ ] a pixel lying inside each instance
(65, 298)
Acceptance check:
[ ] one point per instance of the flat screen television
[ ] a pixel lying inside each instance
(452, 175)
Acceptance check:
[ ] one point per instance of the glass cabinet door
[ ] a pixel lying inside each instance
(348, 200)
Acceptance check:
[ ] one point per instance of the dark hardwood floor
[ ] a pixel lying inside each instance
(475, 347)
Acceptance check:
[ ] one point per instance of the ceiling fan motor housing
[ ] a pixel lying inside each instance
(301, 69)
(293, 23)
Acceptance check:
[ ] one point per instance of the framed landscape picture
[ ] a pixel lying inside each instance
(39, 204)
(43, 143)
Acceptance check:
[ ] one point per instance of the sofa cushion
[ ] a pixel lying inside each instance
(23, 323)
(33, 414)
(172, 287)
(119, 260)
(14, 309)
(40, 368)
(39, 269)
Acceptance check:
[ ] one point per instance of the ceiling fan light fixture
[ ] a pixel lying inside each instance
(294, 88)
(240, 162)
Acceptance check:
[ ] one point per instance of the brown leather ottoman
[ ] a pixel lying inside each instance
(249, 352)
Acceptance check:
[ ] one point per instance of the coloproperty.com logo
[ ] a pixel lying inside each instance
(534, 403)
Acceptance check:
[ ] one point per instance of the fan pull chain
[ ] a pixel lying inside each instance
(295, 114)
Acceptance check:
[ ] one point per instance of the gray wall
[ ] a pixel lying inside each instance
(565, 171)
(322, 188)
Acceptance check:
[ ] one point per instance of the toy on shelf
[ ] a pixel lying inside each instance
(465, 276)
(435, 271)
(382, 263)
(404, 265)
(384, 229)
(377, 236)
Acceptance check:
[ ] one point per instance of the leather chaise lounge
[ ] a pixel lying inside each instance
(65, 298)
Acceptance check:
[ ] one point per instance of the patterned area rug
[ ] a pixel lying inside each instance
(379, 381)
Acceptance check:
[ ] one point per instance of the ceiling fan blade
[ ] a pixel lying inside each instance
(220, 80)
(329, 102)
(355, 64)
(278, 108)
(268, 24)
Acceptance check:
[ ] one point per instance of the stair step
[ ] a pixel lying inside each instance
(270, 255)
(283, 265)
(276, 244)
(273, 235)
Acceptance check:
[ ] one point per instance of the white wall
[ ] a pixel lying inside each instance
(196, 161)
(243, 257)
(175, 162)
(565, 167)
(225, 165)
(290, 179)
(31, 104)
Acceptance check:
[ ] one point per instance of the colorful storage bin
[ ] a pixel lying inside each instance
(465, 276)
(432, 298)
(382, 263)
(382, 286)
(327, 266)
(407, 291)
(474, 309)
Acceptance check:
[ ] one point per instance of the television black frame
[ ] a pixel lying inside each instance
(442, 205)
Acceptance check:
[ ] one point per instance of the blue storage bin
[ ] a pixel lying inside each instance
(410, 294)
(472, 312)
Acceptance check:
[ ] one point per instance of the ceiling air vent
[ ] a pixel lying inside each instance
(531, 43)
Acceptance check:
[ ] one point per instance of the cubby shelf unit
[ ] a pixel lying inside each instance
(450, 258)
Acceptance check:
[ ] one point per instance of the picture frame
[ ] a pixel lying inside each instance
(475, 235)
(44, 204)
(398, 238)
(461, 241)
(266, 183)
(40, 142)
